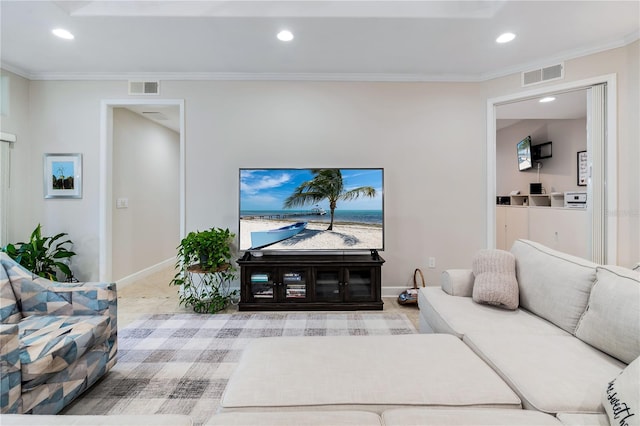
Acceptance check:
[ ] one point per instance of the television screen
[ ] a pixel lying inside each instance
(524, 154)
(311, 209)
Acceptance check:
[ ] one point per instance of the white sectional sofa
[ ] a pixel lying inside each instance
(576, 329)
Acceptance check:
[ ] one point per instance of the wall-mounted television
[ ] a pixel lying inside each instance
(523, 149)
(317, 210)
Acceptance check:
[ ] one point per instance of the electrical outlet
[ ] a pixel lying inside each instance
(432, 262)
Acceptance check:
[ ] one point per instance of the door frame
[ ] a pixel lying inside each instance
(609, 162)
(106, 171)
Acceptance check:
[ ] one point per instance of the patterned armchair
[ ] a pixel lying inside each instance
(56, 339)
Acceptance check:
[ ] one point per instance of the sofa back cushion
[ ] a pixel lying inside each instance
(553, 285)
(9, 311)
(612, 320)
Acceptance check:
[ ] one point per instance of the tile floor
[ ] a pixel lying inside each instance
(153, 295)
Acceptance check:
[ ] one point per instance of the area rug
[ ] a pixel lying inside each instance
(180, 363)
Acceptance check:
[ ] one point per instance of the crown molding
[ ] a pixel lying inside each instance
(15, 70)
(563, 57)
(337, 77)
(238, 76)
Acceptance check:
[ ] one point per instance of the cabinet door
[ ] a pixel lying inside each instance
(261, 284)
(293, 284)
(565, 230)
(517, 225)
(359, 284)
(328, 284)
(501, 227)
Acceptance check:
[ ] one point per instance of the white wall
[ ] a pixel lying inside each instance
(429, 137)
(146, 173)
(412, 130)
(25, 170)
(624, 63)
(558, 173)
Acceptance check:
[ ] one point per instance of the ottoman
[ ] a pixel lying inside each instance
(296, 418)
(77, 420)
(467, 417)
(370, 373)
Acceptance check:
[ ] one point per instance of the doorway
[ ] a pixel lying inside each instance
(602, 159)
(125, 195)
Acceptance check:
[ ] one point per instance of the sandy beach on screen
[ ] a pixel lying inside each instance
(315, 236)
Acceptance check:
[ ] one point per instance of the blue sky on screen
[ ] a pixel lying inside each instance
(266, 189)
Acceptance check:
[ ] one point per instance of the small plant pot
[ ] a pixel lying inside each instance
(210, 306)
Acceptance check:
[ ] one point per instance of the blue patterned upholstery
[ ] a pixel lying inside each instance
(57, 339)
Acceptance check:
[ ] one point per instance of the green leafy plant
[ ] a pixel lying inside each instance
(42, 255)
(204, 270)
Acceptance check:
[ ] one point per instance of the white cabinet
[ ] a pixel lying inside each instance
(512, 223)
(535, 217)
(565, 230)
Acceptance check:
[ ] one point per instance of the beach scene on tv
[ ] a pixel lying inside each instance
(311, 209)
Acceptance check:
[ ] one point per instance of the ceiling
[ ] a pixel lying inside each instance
(566, 106)
(334, 40)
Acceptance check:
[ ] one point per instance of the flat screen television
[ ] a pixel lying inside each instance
(318, 210)
(523, 149)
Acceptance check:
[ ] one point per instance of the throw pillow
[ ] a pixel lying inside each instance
(621, 399)
(495, 279)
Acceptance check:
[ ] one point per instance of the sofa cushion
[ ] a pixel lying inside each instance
(467, 417)
(51, 343)
(9, 311)
(552, 284)
(296, 418)
(572, 419)
(457, 282)
(621, 399)
(612, 320)
(368, 373)
(460, 315)
(551, 374)
(495, 279)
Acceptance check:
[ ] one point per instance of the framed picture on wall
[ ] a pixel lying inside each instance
(583, 172)
(62, 175)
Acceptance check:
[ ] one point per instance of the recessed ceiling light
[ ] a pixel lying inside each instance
(285, 35)
(505, 38)
(547, 99)
(62, 33)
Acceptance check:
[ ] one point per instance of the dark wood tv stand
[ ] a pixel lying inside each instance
(310, 282)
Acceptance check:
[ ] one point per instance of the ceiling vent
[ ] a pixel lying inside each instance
(144, 87)
(541, 75)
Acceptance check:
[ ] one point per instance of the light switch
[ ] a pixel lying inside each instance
(122, 203)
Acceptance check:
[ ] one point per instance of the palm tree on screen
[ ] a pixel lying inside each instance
(326, 184)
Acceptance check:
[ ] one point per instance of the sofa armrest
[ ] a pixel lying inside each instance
(88, 298)
(457, 282)
(10, 370)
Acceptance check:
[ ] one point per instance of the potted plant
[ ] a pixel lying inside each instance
(43, 255)
(204, 270)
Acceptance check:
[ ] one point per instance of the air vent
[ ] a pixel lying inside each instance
(144, 87)
(541, 75)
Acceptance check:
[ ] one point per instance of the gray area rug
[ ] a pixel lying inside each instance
(180, 363)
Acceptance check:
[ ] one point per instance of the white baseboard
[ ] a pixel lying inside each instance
(126, 281)
(392, 291)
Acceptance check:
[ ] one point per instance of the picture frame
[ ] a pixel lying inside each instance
(62, 175)
(582, 170)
